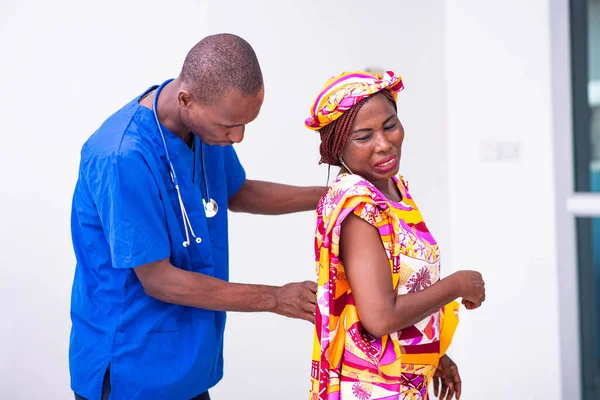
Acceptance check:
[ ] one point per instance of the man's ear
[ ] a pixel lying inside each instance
(185, 99)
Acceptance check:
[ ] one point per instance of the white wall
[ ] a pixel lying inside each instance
(67, 65)
(502, 212)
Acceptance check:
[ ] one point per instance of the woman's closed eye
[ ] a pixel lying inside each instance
(390, 126)
(364, 137)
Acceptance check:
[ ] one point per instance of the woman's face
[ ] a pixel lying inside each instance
(375, 143)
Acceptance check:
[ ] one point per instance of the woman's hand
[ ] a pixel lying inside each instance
(447, 377)
(472, 288)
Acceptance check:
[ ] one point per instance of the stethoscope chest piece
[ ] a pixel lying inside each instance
(211, 208)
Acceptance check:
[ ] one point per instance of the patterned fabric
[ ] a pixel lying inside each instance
(342, 92)
(349, 363)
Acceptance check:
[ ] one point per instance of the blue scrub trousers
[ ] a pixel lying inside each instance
(106, 390)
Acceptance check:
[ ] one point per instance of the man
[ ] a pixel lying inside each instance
(151, 284)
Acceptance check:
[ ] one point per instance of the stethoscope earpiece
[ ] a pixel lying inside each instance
(210, 207)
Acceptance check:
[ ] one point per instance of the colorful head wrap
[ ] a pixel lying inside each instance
(344, 91)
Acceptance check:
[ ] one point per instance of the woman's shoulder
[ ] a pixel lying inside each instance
(352, 185)
(348, 186)
(342, 189)
(351, 193)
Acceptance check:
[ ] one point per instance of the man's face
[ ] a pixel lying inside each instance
(224, 122)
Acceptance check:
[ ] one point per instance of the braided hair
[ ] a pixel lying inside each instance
(335, 135)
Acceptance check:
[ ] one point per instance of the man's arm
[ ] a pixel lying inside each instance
(167, 283)
(267, 198)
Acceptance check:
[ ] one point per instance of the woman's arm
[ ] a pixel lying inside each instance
(381, 310)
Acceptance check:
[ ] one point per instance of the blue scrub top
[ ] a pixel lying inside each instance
(125, 213)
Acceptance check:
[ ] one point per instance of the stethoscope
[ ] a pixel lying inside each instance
(210, 206)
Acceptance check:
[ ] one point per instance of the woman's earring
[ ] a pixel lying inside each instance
(345, 166)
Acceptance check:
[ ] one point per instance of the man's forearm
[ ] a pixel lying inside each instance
(268, 198)
(176, 286)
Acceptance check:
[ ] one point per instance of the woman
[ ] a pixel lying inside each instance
(384, 317)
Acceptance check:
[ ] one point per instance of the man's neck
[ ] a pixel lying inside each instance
(168, 110)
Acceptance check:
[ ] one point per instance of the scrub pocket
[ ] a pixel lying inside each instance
(199, 254)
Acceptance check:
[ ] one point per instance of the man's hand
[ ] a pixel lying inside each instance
(448, 378)
(297, 300)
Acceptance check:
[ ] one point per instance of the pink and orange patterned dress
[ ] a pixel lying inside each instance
(349, 363)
